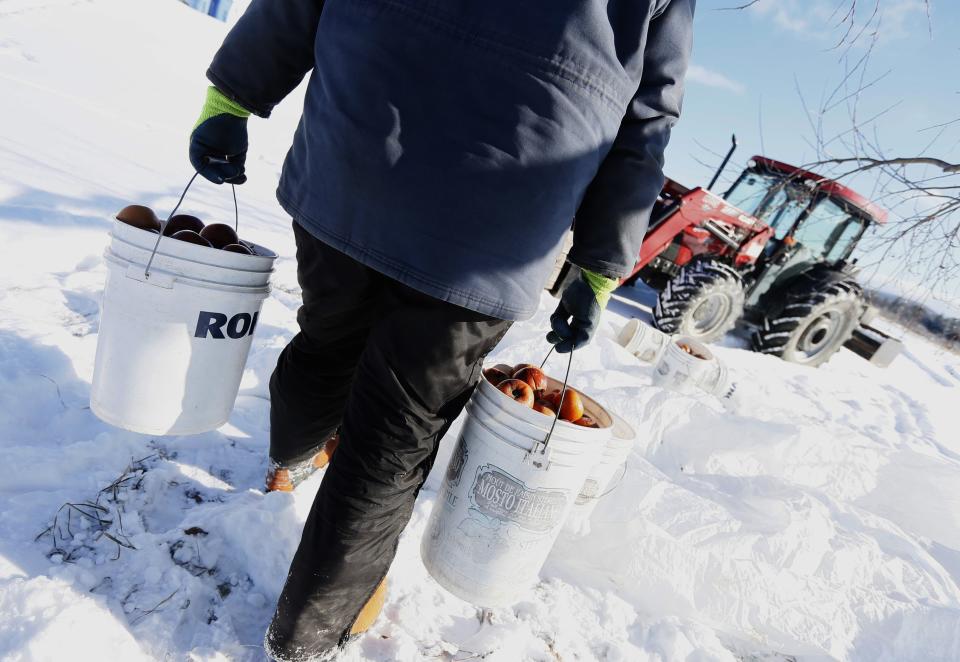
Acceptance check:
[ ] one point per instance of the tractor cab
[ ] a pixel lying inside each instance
(774, 250)
(815, 220)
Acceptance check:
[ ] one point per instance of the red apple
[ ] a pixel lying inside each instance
(504, 368)
(572, 406)
(532, 376)
(519, 391)
(586, 421)
(543, 407)
(495, 376)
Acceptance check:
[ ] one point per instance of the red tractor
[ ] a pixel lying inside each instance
(774, 250)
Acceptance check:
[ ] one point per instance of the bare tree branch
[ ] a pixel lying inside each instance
(868, 163)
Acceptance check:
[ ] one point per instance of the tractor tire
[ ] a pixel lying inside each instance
(703, 301)
(813, 324)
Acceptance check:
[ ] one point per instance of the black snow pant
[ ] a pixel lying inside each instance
(392, 368)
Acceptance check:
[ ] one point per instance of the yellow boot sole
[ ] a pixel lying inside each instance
(371, 610)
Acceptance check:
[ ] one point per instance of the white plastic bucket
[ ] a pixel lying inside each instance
(172, 346)
(690, 373)
(604, 475)
(722, 385)
(642, 340)
(503, 503)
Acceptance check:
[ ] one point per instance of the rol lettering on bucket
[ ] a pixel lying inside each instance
(210, 325)
(176, 325)
(505, 495)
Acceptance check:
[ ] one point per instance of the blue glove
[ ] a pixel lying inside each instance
(578, 315)
(218, 144)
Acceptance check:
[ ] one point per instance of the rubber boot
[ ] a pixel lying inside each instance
(371, 610)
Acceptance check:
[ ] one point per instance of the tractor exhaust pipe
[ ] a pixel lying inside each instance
(726, 160)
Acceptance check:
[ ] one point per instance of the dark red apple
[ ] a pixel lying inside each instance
(219, 235)
(495, 376)
(182, 222)
(237, 248)
(139, 217)
(192, 237)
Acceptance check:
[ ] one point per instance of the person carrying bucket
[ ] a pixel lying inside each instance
(442, 152)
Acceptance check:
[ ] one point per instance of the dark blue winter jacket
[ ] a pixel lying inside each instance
(449, 143)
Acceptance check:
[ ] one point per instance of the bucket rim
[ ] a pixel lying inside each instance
(628, 332)
(533, 434)
(621, 425)
(189, 281)
(694, 344)
(521, 412)
(180, 258)
(124, 228)
(600, 414)
(560, 456)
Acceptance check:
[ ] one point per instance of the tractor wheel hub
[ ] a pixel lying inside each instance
(819, 333)
(710, 313)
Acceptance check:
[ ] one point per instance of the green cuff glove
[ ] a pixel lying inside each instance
(218, 143)
(577, 317)
(602, 286)
(217, 104)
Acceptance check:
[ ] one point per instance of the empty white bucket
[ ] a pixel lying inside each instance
(172, 346)
(502, 502)
(603, 477)
(693, 371)
(642, 340)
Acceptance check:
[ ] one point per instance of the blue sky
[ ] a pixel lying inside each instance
(748, 64)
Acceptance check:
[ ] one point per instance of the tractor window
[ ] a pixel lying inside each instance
(784, 208)
(750, 191)
(826, 229)
(849, 232)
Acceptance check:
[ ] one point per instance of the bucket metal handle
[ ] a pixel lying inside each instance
(156, 245)
(541, 448)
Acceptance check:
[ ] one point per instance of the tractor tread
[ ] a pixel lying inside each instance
(775, 335)
(695, 277)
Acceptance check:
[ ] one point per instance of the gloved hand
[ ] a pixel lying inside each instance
(578, 315)
(218, 144)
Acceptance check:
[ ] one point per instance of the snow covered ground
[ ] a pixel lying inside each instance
(817, 518)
